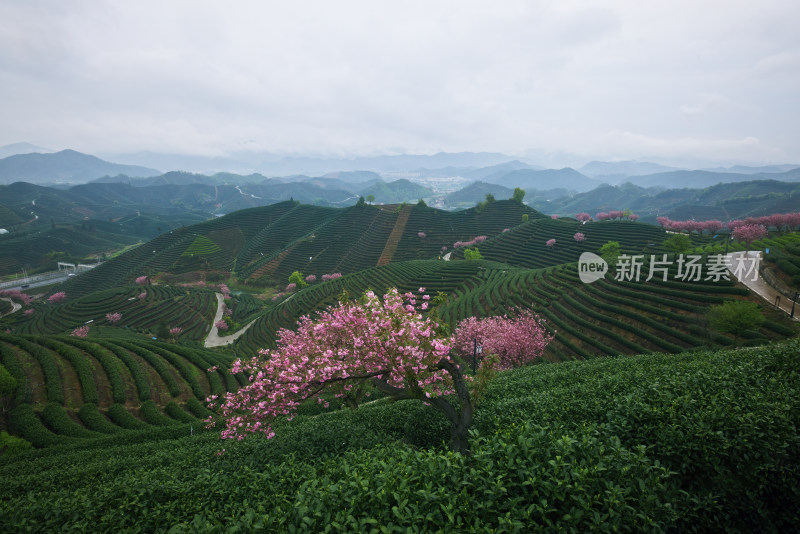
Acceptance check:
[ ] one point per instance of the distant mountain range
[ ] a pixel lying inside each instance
(66, 166)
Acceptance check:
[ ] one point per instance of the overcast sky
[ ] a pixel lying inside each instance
(670, 81)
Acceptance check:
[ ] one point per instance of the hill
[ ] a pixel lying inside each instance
(653, 442)
(566, 178)
(476, 192)
(265, 245)
(65, 166)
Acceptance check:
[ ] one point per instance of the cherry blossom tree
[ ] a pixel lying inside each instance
(633, 217)
(421, 235)
(311, 278)
(749, 233)
(583, 217)
(113, 318)
(142, 295)
(142, 281)
(551, 243)
(579, 237)
(221, 325)
(81, 331)
(515, 341)
(384, 342)
(554, 217)
(602, 216)
(28, 312)
(175, 331)
(55, 298)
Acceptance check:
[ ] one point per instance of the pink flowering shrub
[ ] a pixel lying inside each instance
(311, 278)
(142, 281)
(176, 331)
(749, 233)
(334, 276)
(55, 298)
(505, 230)
(554, 217)
(28, 312)
(421, 235)
(602, 216)
(113, 318)
(221, 325)
(142, 295)
(291, 287)
(515, 342)
(386, 342)
(224, 289)
(16, 294)
(579, 237)
(278, 296)
(633, 217)
(551, 243)
(81, 331)
(583, 217)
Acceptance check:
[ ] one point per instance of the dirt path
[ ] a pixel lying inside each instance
(214, 339)
(759, 285)
(14, 306)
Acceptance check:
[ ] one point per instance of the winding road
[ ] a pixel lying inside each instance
(758, 285)
(214, 339)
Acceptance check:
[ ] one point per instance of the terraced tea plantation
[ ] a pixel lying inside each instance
(73, 389)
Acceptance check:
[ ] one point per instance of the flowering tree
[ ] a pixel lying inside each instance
(602, 216)
(554, 217)
(176, 331)
(579, 237)
(81, 331)
(28, 312)
(333, 276)
(383, 342)
(633, 217)
(142, 295)
(16, 294)
(583, 217)
(421, 235)
(515, 341)
(290, 287)
(551, 243)
(311, 278)
(142, 281)
(225, 290)
(221, 325)
(113, 318)
(55, 298)
(749, 233)
(506, 230)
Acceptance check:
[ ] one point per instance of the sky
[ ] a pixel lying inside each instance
(674, 82)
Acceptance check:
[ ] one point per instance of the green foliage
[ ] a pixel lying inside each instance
(297, 278)
(519, 194)
(524, 217)
(735, 317)
(13, 445)
(678, 243)
(472, 254)
(8, 384)
(610, 252)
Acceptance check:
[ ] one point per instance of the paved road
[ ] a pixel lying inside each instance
(214, 339)
(759, 285)
(14, 306)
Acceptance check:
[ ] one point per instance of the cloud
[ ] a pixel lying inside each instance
(360, 77)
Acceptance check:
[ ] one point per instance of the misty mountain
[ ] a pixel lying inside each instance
(476, 192)
(404, 162)
(354, 177)
(185, 162)
(616, 171)
(395, 192)
(495, 171)
(22, 148)
(678, 179)
(567, 178)
(65, 166)
(764, 169)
